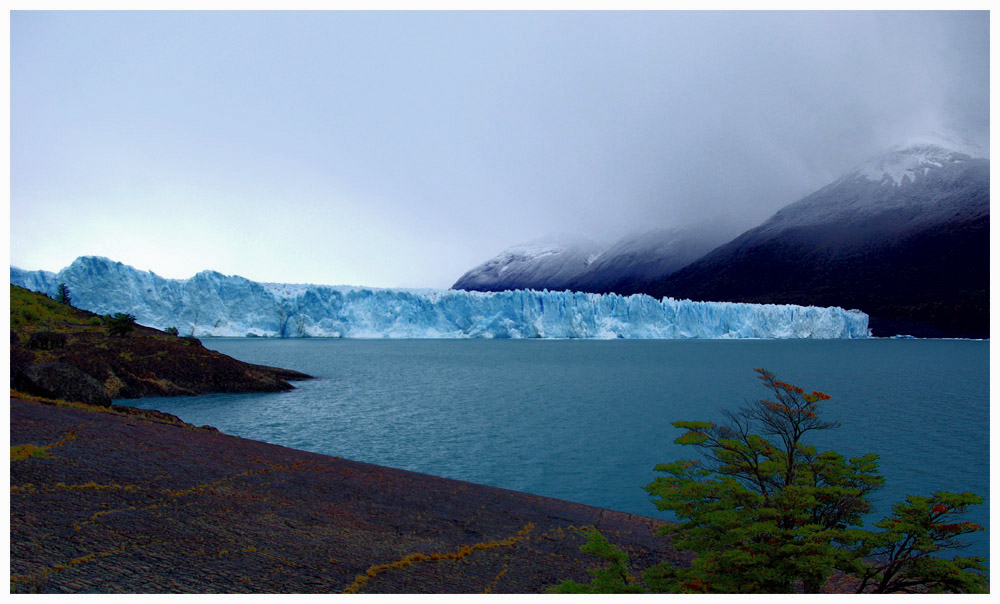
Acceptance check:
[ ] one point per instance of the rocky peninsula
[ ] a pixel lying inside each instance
(61, 352)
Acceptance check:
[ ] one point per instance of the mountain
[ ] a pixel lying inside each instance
(553, 265)
(212, 304)
(636, 261)
(626, 267)
(904, 237)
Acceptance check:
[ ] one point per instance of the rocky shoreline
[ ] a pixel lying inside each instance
(137, 502)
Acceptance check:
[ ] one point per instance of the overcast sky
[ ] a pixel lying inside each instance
(401, 149)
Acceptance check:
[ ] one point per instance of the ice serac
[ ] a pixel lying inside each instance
(212, 304)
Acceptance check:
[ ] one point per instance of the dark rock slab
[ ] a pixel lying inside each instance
(46, 340)
(134, 504)
(65, 382)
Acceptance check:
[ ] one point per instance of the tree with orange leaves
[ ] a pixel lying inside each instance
(765, 512)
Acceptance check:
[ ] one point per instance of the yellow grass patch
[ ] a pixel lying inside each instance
(19, 452)
(361, 580)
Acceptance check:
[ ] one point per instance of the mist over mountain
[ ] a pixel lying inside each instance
(904, 237)
(625, 267)
(634, 262)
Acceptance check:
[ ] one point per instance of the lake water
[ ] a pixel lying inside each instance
(586, 421)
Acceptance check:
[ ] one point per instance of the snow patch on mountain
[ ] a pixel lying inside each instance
(545, 264)
(911, 185)
(914, 159)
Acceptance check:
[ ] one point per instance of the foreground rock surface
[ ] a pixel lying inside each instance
(142, 503)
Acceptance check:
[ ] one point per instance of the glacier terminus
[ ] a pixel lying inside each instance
(212, 304)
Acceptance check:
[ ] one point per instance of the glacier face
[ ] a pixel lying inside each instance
(212, 304)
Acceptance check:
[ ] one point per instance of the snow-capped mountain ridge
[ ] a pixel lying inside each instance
(916, 217)
(550, 264)
(914, 159)
(212, 304)
(906, 187)
(914, 184)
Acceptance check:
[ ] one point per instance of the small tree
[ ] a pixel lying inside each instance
(120, 324)
(765, 512)
(171, 331)
(62, 295)
(900, 557)
(614, 579)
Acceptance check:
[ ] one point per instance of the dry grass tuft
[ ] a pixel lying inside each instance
(361, 580)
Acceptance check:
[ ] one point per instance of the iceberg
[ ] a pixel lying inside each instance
(213, 304)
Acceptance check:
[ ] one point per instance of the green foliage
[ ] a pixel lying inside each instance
(23, 316)
(613, 579)
(766, 512)
(171, 331)
(95, 321)
(900, 556)
(762, 514)
(120, 324)
(34, 310)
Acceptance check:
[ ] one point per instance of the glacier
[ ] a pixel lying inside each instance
(213, 304)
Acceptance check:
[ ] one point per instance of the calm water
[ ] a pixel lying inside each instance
(587, 420)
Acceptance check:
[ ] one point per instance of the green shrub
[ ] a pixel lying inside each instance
(121, 324)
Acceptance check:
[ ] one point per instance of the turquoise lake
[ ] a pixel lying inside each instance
(587, 421)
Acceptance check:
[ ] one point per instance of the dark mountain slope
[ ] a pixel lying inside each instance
(632, 264)
(628, 266)
(912, 251)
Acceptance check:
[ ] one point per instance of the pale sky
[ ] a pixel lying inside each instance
(401, 149)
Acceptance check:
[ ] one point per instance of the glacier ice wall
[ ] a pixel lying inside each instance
(212, 304)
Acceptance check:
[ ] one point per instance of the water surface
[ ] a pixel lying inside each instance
(587, 420)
